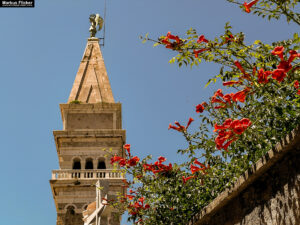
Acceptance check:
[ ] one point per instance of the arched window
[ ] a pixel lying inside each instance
(70, 217)
(71, 210)
(101, 164)
(85, 207)
(76, 164)
(89, 164)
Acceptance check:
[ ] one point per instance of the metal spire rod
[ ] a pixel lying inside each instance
(104, 22)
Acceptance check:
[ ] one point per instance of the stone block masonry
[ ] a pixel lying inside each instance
(267, 194)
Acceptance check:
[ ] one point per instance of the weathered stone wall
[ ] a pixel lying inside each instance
(272, 199)
(69, 219)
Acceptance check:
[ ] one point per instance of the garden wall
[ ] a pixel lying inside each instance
(267, 194)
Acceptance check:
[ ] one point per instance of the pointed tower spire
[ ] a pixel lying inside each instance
(91, 84)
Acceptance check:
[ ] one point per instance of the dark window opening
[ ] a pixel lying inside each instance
(76, 164)
(101, 165)
(89, 164)
(71, 210)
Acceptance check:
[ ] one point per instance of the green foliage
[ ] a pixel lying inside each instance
(274, 9)
(272, 106)
(75, 102)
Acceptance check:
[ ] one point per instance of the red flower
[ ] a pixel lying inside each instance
(161, 159)
(239, 66)
(286, 66)
(222, 137)
(293, 54)
(148, 167)
(170, 44)
(219, 93)
(187, 178)
(200, 107)
(139, 176)
(189, 122)
(249, 5)
(278, 51)
(298, 92)
(127, 147)
(176, 38)
(245, 122)
(239, 126)
(114, 159)
(179, 127)
(228, 98)
(225, 147)
(195, 169)
(196, 52)
(229, 38)
(229, 129)
(296, 84)
(199, 163)
(158, 167)
(122, 162)
(279, 75)
(130, 197)
(202, 39)
(225, 125)
(224, 100)
(240, 95)
(263, 76)
(133, 161)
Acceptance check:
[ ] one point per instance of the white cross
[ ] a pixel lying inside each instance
(100, 207)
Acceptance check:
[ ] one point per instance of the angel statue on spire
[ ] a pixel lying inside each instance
(95, 20)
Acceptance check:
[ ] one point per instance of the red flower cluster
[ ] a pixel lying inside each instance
(263, 76)
(169, 44)
(285, 65)
(226, 100)
(135, 208)
(248, 6)
(239, 66)
(196, 52)
(296, 85)
(132, 161)
(201, 39)
(241, 95)
(179, 127)
(185, 179)
(200, 107)
(202, 167)
(158, 167)
(228, 131)
(229, 37)
(245, 75)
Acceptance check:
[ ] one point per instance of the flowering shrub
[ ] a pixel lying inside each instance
(235, 128)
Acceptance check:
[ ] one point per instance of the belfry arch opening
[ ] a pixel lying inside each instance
(101, 164)
(89, 164)
(71, 210)
(76, 164)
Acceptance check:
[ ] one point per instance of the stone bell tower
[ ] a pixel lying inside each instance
(92, 127)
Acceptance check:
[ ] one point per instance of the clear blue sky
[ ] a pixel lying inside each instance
(40, 51)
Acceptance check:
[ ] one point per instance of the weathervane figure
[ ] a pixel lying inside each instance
(95, 20)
